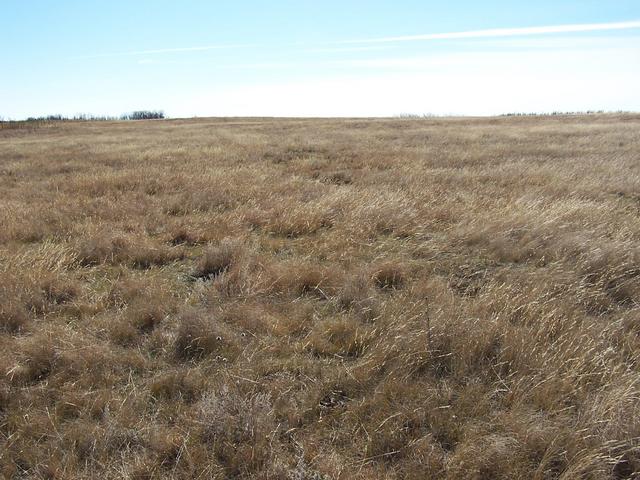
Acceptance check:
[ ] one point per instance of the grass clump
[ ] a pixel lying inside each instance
(238, 426)
(389, 276)
(218, 259)
(198, 336)
(13, 318)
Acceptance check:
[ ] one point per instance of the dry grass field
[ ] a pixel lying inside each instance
(320, 299)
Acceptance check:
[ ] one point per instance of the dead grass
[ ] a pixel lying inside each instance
(389, 275)
(199, 336)
(315, 299)
(217, 260)
(13, 318)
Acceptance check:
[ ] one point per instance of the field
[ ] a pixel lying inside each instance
(319, 299)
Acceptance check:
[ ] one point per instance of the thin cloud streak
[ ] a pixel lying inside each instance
(503, 32)
(491, 33)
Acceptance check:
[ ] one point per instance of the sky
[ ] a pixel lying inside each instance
(310, 58)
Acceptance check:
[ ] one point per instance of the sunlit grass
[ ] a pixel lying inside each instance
(406, 298)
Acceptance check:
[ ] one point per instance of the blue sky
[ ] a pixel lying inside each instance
(330, 58)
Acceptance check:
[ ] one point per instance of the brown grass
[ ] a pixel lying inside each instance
(217, 260)
(315, 299)
(198, 336)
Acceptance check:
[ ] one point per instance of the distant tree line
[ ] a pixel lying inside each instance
(555, 113)
(84, 117)
(143, 115)
(411, 116)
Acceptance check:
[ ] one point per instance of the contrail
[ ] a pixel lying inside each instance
(503, 32)
(496, 32)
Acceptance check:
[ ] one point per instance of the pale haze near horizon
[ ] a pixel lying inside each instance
(257, 59)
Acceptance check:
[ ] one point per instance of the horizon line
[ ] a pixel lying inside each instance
(401, 115)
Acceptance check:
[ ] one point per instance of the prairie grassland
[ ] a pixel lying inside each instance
(315, 299)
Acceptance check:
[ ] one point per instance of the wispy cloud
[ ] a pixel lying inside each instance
(502, 32)
(557, 42)
(369, 43)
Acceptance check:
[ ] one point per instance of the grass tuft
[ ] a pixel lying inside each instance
(389, 276)
(198, 337)
(218, 259)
